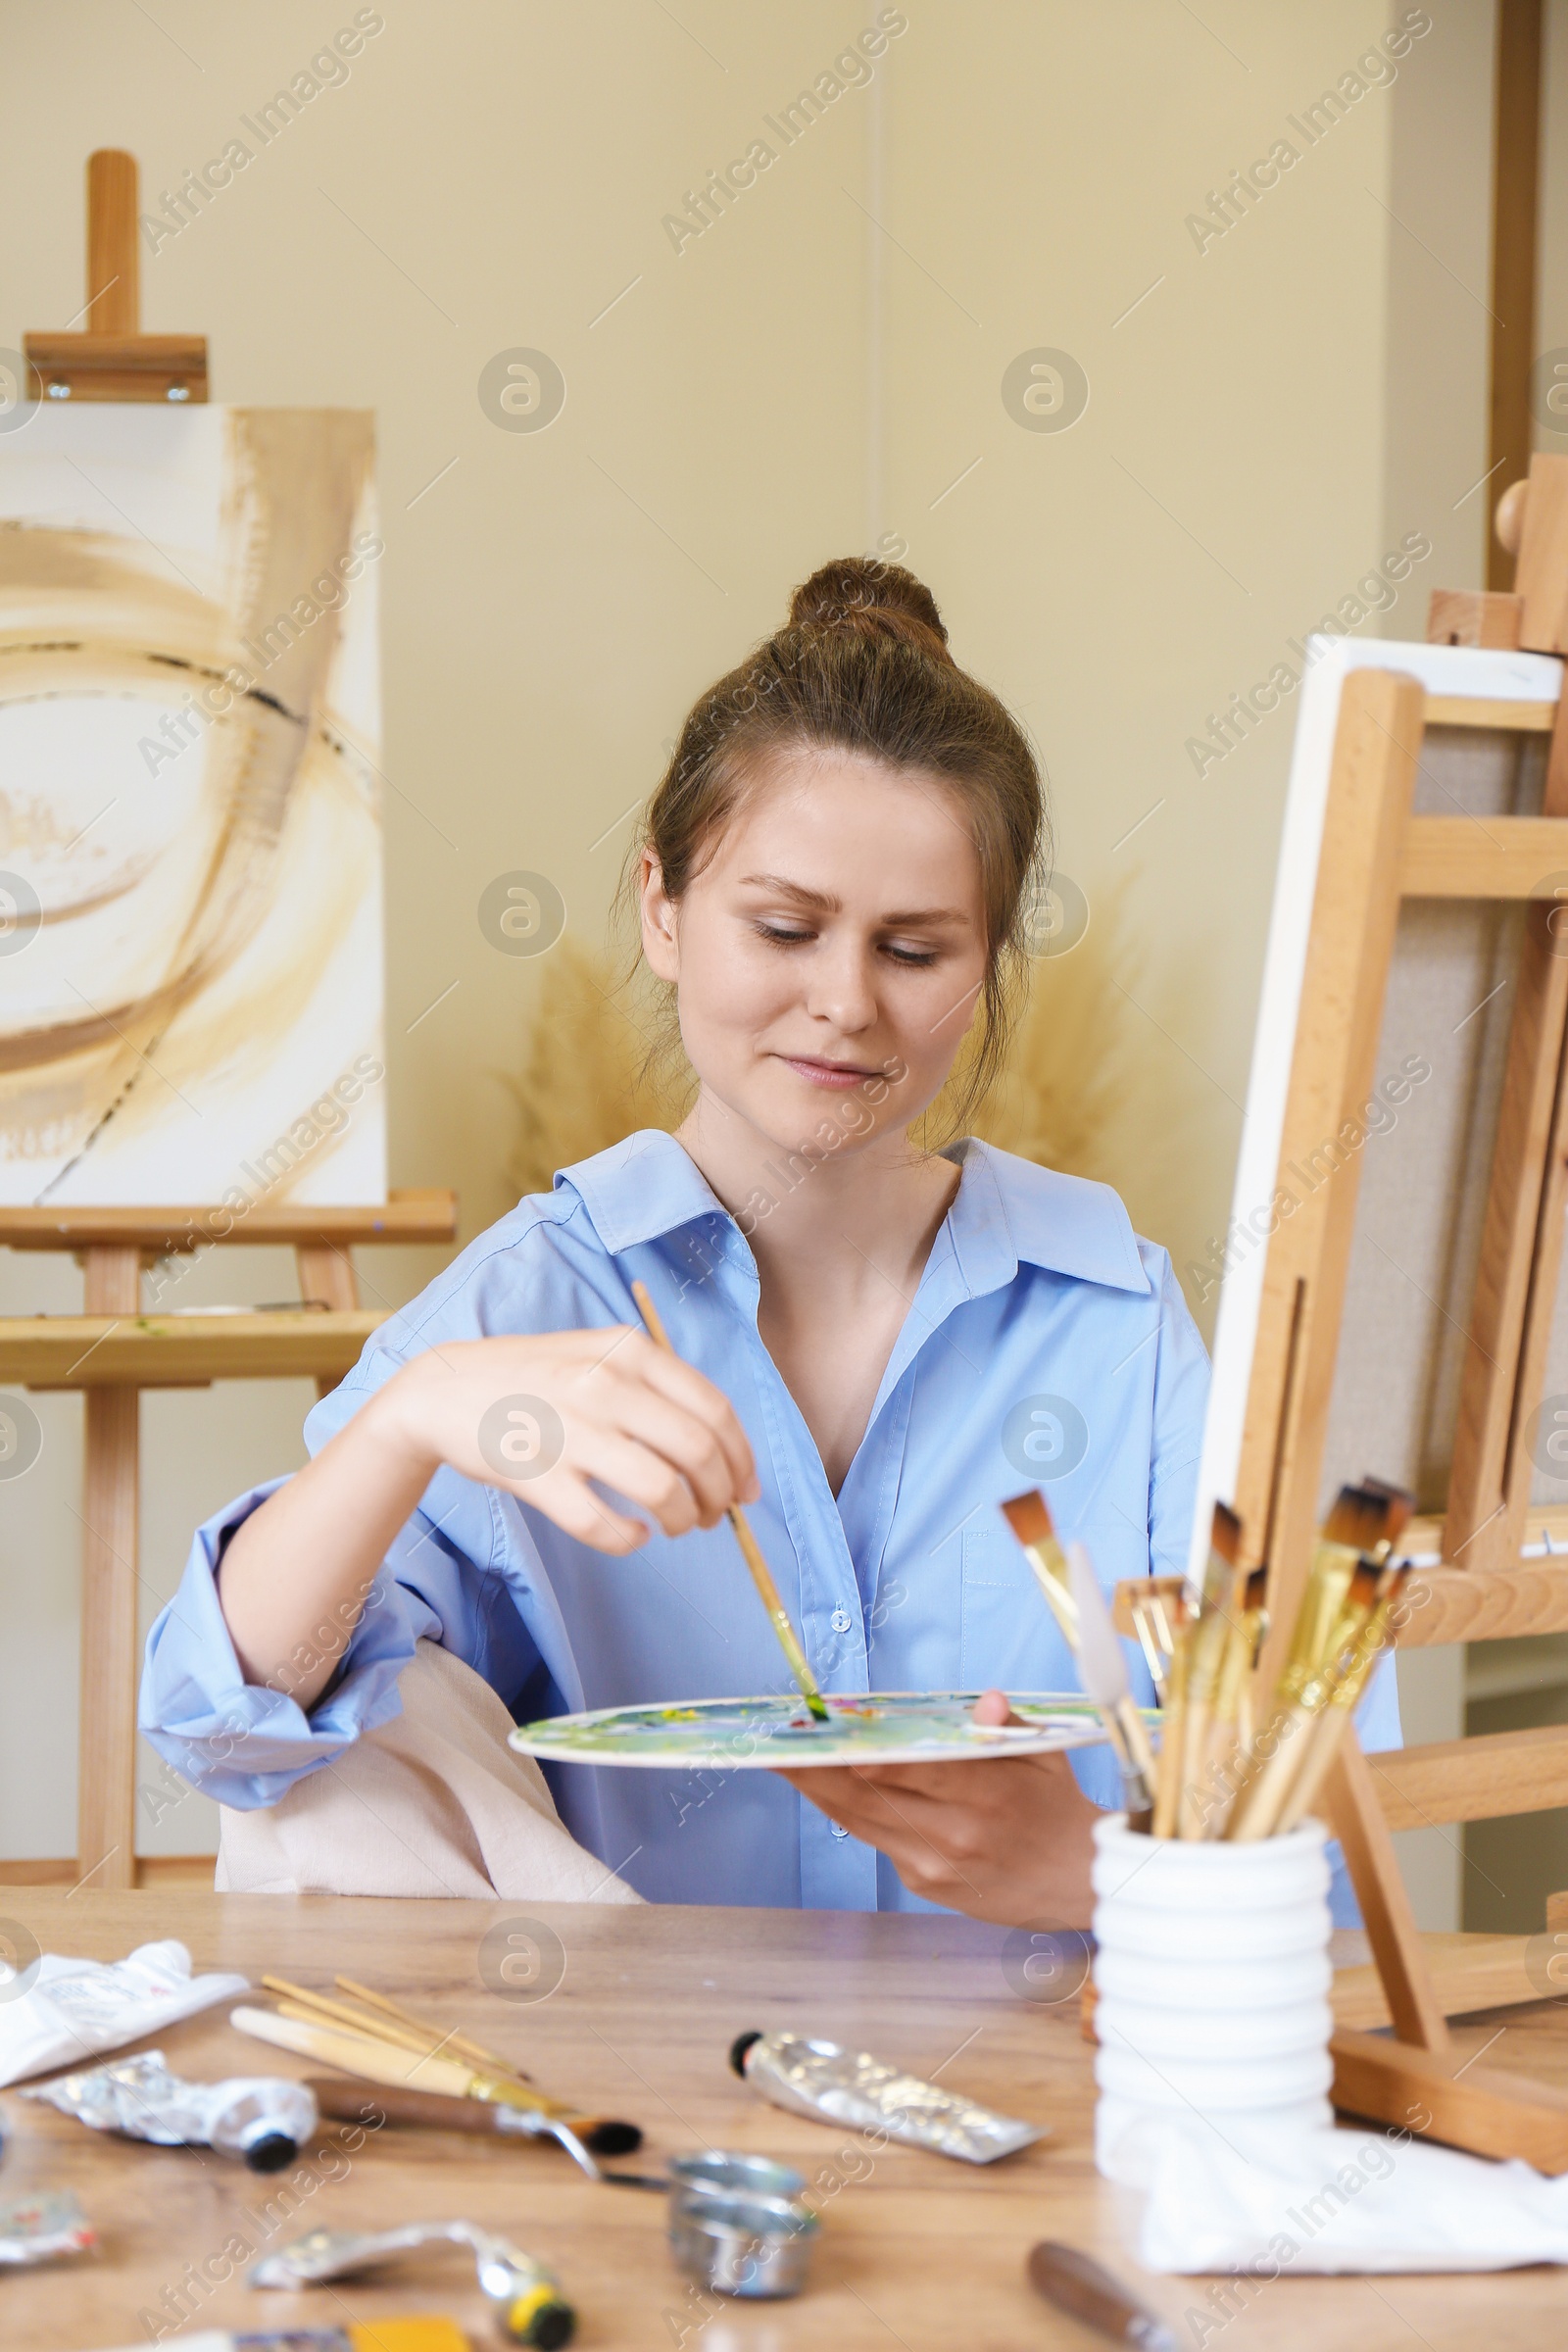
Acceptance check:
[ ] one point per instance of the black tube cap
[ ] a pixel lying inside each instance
(553, 2325)
(269, 2155)
(738, 2049)
(612, 2140)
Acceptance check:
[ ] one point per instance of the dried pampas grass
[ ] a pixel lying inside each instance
(1063, 1082)
(599, 1066)
(595, 1071)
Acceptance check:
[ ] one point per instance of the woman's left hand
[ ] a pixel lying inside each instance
(1009, 1839)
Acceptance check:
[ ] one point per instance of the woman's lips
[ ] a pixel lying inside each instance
(833, 1074)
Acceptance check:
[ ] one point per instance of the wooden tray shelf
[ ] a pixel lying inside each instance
(181, 1351)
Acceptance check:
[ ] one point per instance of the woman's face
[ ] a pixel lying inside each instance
(830, 954)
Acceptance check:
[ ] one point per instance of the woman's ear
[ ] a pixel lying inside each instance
(660, 921)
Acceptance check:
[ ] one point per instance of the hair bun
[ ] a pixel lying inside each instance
(856, 589)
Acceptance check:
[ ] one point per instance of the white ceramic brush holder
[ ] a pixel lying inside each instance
(1213, 1975)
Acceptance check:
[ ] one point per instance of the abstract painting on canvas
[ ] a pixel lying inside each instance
(191, 857)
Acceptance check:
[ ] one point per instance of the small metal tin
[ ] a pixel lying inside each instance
(719, 2173)
(742, 2245)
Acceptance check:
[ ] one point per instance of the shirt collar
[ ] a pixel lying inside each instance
(1010, 1211)
(1007, 1210)
(642, 1187)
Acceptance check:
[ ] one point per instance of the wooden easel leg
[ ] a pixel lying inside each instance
(106, 1795)
(327, 1279)
(106, 1803)
(1417, 2081)
(1357, 1822)
(1521, 1243)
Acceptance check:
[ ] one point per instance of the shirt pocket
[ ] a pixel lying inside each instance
(1008, 1636)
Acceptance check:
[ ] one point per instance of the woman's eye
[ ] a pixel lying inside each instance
(781, 935)
(917, 955)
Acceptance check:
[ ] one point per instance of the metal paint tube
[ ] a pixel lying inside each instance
(263, 2119)
(836, 2085)
(531, 2305)
(43, 2228)
(375, 2336)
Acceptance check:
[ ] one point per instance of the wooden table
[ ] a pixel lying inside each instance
(915, 2250)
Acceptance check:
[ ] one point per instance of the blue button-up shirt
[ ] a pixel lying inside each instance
(1047, 1343)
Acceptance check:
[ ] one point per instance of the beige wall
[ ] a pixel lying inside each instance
(797, 381)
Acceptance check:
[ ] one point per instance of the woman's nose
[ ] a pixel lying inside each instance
(841, 989)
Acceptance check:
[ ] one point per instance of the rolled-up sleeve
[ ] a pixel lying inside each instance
(458, 1572)
(243, 1742)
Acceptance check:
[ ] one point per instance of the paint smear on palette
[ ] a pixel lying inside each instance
(888, 1727)
(190, 853)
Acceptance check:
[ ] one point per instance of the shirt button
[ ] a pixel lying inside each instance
(837, 1829)
(840, 1622)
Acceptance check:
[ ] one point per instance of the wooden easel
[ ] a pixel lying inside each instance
(1375, 852)
(112, 1352)
(113, 360)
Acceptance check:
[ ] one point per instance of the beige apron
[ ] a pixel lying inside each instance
(433, 1803)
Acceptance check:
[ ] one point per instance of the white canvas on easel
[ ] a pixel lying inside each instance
(189, 822)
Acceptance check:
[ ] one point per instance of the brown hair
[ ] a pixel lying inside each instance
(863, 664)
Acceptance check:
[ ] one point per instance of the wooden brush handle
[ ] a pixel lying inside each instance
(1075, 2283)
(1262, 1798)
(348, 2102)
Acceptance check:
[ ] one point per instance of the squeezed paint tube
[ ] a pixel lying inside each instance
(531, 2305)
(56, 2011)
(375, 2336)
(40, 2228)
(263, 2119)
(835, 2086)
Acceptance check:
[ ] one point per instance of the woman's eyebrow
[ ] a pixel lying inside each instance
(782, 886)
(824, 901)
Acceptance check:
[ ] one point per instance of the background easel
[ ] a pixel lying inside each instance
(1375, 852)
(112, 1352)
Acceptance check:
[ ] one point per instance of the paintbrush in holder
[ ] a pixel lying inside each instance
(1029, 1517)
(1337, 1607)
(1068, 1582)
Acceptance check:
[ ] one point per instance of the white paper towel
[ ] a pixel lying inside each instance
(1334, 2200)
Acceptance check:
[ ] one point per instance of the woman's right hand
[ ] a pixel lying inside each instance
(544, 1415)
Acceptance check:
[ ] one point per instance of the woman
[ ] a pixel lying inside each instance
(877, 1344)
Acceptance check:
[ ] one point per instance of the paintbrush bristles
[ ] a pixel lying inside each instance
(1402, 1508)
(1359, 1519)
(1219, 1775)
(1029, 1517)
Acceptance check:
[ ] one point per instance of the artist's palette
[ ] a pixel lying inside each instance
(882, 1727)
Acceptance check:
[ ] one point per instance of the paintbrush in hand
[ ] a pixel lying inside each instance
(762, 1576)
(1104, 1673)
